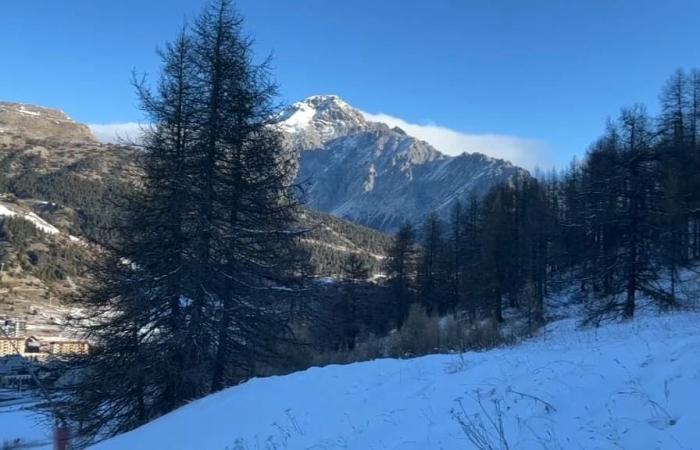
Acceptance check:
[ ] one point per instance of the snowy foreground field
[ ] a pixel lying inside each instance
(630, 386)
(17, 421)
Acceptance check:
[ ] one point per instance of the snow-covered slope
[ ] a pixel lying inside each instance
(377, 175)
(626, 386)
(29, 216)
(20, 424)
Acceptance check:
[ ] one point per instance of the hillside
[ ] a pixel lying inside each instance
(55, 185)
(331, 239)
(58, 187)
(379, 176)
(41, 266)
(630, 385)
(20, 123)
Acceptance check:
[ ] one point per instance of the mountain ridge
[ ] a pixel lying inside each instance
(376, 175)
(19, 121)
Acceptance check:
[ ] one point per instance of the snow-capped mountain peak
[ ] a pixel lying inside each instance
(319, 119)
(376, 175)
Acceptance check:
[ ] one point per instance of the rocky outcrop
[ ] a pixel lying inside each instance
(22, 123)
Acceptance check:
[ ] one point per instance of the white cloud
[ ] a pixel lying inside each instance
(527, 153)
(116, 132)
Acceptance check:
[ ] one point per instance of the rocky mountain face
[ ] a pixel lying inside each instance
(375, 175)
(20, 122)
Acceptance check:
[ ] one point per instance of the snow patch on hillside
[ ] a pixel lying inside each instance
(27, 112)
(631, 385)
(37, 221)
(299, 119)
(40, 224)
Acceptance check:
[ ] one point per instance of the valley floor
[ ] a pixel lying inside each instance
(632, 385)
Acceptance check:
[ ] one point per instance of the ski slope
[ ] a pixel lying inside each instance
(626, 385)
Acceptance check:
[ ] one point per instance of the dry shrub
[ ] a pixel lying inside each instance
(455, 334)
(485, 335)
(369, 349)
(420, 333)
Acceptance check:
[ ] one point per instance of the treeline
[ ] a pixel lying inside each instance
(330, 241)
(23, 246)
(92, 198)
(622, 222)
(87, 205)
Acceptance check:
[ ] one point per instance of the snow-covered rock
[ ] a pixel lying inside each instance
(318, 119)
(376, 175)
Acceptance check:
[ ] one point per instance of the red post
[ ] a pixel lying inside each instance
(61, 437)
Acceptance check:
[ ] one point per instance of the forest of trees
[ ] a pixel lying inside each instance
(330, 241)
(614, 225)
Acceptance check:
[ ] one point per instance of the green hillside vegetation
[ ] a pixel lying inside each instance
(79, 187)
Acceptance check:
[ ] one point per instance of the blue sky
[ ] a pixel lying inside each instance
(533, 81)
